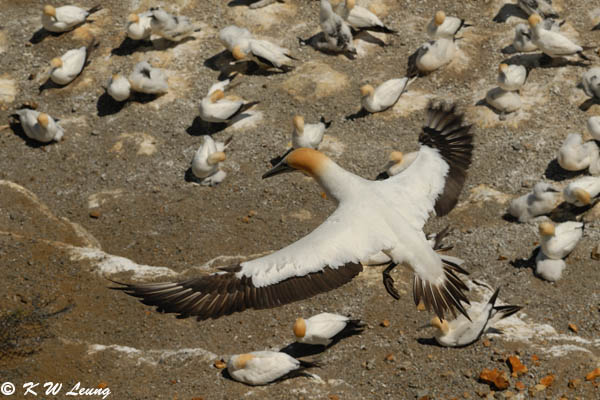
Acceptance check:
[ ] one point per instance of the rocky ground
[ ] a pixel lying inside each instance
(114, 200)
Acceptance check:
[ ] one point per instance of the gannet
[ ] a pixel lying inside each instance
(139, 26)
(360, 18)
(548, 268)
(263, 367)
(553, 44)
(582, 191)
(215, 107)
(371, 216)
(511, 77)
(265, 54)
(325, 328)
(593, 127)
(263, 3)
(397, 162)
(444, 26)
(462, 332)
(574, 155)
(40, 126)
(557, 241)
(540, 7)
(338, 36)
(207, 161)
(542, 200)
(68, 66)
(522, 41)
(308, 135)
(147, 79)
(118, 87)
(431, 56)
(590, 81)
(65, 18)
(232, 36)
(385, 96)
(171, 27)
(503, 101)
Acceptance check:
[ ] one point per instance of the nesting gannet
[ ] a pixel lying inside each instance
(548, 268)
(582, 191)
(542, 200)
(68, 66)
(593, 127)
(444, 26)
(215, 107)
(360, 18)
(522, 41)
(232, 36)
(511, 77)
(325, 328)
(263, 367)
(431, 56)
(574, 155)
(553, 44)
(371, 216)
(146, 79)
(505, 102)
(462, 332)
(590, 81)
(118, 87)
(171, 27)
(139, 26)
(265, 54)
(540, 7)
(397, 162)
(207, 161)
(40, 126)
(308, 135)
(385, 96)
(65, 18)
(557, 241)
(338, 36)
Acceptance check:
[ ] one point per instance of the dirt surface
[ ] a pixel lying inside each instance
(116, 187)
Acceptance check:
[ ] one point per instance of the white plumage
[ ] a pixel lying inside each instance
(582, 191)
(591, 82)
(147, 79)
(215, 107)
(542, 200)
(68, 66)
(511, 77)
(522, 41)
(547, 268)
(263, 367)
(593, 126)
(40, 126)
(337, 32)
(171, 27)
(232, 36)
(119, 87)
(541, 7)
(557, 241)
(307, 135)
(575, 155)
(434, 55)
(65, 18)
(207, 162)
(443, 26)
(503, 101)
(384, 96)
(553, 44)
(398, 162)
(139, 26)
(265, 54)
(321, 329)
(360, 18)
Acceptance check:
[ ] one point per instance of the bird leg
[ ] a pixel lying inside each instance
(388, 281)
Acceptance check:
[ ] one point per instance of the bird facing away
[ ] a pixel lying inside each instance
(503, 101)
(325, 328)
(590, 82)
(215, 107)
(171, 27)
(337, 32)
(445, 26)
(547, 268)
(232, 36)
(308, 135)
(139, 26)
(543, 199)
(146, 79)
(384, 96)
(118, 87)
(371, 216)
(582, 191)
(593, 126)
(264, 367)
(431, 56)
(265, 54)
(575, 155)
(39, 126)
(461, 332)
(68, 66)
(207, 161)
(65, 18)
(557, 241)
(511, 77)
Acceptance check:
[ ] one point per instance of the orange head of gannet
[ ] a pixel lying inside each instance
(43, 119)
(300, 328)
(309, 161)
(134, 18)
(439, 18)
(237, 53)
(115, 77)
(49, 10)
(534, 19)
(442, 325)
(583, 196)
(56, 62)
(217, 95)
(547, 229)
(241, 360)
(503, 68)
(366, 90)
(216, 157)
(350, 4)
(299, 124)
(396, 157)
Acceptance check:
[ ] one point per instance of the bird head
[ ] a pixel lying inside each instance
(583, 196)
(439, 18)
(300, 328)
(49, 10)
(216, 157)
(217, 95)
(503, 68)
(299, 124)
(396, 157)
(133, 18)
(547, 229)
(237, 52)
(366, 90)
(56, 62)
(241, 360)
(534, 19)
(309, 161)
(441, 325)
(43, 119)
(350, 4)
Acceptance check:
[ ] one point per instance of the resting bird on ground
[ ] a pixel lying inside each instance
(431, 56)
(384, 96)
(171, 27)
(217, 108)
(146, 79)
(65, 18)
(511, 77)
(371, 216)
(590, 82)
(582, 191)
(557, 241)
(552, 44)
(338, 36)
(39, 126)
(232, 36)
(360, 18)
(139, 26)
(207, 161)
(325, 328)
(68, 66)
(542, 200)
(593, 127)
(575, 155)
(265, 54)
(264, 367)
(444, 26)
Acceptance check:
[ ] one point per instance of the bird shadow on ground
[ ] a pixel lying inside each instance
(247, 68)
(428, 342)
(509, 10)
(510, 49)
(541, 60)
(359, 114)
(365, 36)
(320, 37)
(106, 105)
(235, 3)
(510, 218)
(298, 350)
(556, 173)
(200, 127)
(17, 128)
(586, 105)
(568, 212)
(129, 46)
(526, 262)
(219, 61)
(190, 177)
(41, 34)
(49, 84)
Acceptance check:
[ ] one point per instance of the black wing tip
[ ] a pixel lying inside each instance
(494, 297)
(325, 122)
(310, 364)
(508, 310)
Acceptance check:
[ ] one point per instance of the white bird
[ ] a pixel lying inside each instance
(462, 332)
(582, 191)
(232, 36)
(548, 268)
(540, 7)
(557, 241)
(207, 161)
(325, 328)
(171, 27)
(397, 162)
(264, 367)
(553, 44)
(146, 79)
(574, 155)
(591, 82)
(265, 54)
(371, 216)
(542, 200)
(338, 36)
(68, 66)
(215, 107)
(139, 26)
(385, 96)
(40, 126)
(442, 26)
(593, 127)
(65, 18)
(264, 3)
(503, 101)
(360, 18)
(119, 87)
(522, 41)
(431, 56)
(308, 135)
(511, 77)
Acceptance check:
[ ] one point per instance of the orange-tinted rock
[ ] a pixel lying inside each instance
(516, 366)
(593, 375)
(494, 378)
(547, 380)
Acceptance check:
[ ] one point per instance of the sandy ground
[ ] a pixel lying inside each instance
(112, 200)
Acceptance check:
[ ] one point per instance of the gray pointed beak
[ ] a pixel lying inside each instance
(280, 168)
